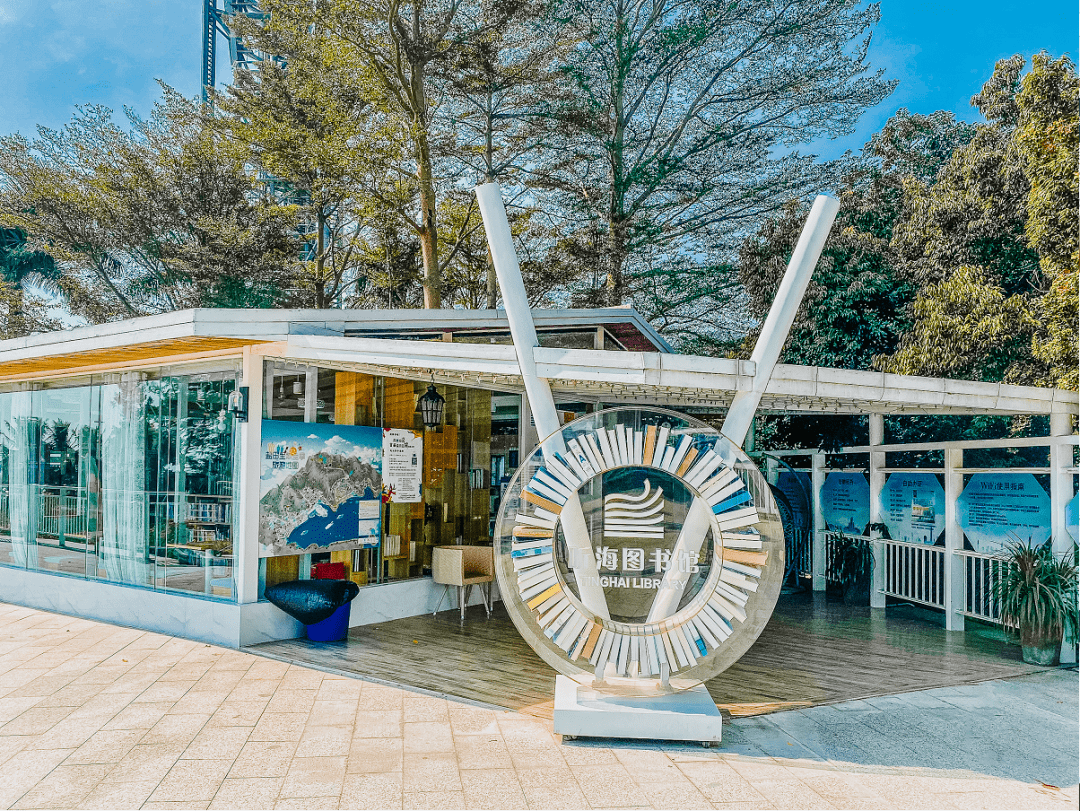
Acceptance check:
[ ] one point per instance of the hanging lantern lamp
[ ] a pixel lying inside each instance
(431, 407)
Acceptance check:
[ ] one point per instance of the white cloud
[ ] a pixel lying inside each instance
(63, 46)
(344, 447)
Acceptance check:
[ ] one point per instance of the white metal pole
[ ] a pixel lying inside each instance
(542, 403)
(817, 557)
(740, 416)
(1061, 485)
(778, 323)
(877, 486)
(955, 565)
(246, 497)
(1061, 491)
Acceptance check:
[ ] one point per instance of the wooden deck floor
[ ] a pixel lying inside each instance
(811, 653)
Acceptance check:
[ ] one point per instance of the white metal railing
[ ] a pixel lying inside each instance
(915, 572)
(61, 514)
(831, 540)
(981, 575)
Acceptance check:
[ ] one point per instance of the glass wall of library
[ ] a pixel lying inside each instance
(639, 491)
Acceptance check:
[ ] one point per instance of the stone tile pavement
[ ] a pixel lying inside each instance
(97, 716)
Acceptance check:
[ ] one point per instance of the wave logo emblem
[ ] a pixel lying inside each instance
(635, 516)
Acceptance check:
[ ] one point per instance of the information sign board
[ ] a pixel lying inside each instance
(998, 508)
(403, 466)
(913, 507)
(320, 487)
(845, 502)
(796, 487)
(1072, 518)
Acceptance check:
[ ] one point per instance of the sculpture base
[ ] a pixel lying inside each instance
(687, 715)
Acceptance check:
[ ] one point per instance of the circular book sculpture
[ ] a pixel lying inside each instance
(640, 547)
(312, 601)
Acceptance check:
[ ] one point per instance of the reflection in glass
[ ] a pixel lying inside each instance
(128, 480)
(124, 541)
(24, 433)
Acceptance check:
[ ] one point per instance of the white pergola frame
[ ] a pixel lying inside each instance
(319, 338)
(1063, 475)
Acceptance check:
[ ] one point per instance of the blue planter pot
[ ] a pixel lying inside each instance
(332, 629)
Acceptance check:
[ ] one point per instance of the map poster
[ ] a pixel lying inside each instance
(998, 508)
(320, 488)
(796, 487)
(845, 502)
(403, 465)
(913, 507)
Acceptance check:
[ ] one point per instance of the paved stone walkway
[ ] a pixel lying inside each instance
(96, 716)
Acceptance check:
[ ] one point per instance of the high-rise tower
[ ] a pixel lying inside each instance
(215, 14)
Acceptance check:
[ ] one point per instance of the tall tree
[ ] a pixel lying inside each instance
(311, 141)
(856, 306)
(991, 242)
(154, 218)
(1047, 141)
(682, 131)
(502, 90)
(404, 46)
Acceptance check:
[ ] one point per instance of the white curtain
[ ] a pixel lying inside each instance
(123, 468)
(25, 497)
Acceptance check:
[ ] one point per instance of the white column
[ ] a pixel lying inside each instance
(1061, 482)
(1061, 491)
(817, 481)
(954, 542)
(877, 485)
(246, 499)
(311, 394)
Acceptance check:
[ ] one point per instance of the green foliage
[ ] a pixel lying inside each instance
(966, 327)
(24, 275)
(1037, 593)
(156, 218)
(854, 307)
(955, 250)
(850, 559)
(1047, 144)
(991, 243)
(857, 305)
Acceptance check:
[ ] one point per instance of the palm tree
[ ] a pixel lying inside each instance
(20, 266)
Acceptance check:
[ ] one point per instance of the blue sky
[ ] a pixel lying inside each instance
(55, 54)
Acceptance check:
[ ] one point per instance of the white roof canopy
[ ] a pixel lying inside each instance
(329, 338)
(676, 380)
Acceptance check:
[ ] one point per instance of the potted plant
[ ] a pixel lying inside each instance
(850, 564)
(1036, 595)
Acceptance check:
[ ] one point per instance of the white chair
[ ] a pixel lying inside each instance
(463, 567)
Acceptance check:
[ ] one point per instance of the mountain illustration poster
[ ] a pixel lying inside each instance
(320, 487)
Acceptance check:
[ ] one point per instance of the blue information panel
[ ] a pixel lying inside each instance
(796, 486)
(1000, 508)
(845, 502)
(1072, 518)
(913, 507)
